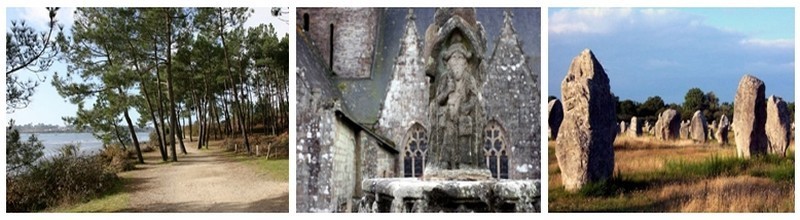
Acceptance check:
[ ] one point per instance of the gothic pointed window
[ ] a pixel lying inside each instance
(495, 150)
(416, 149)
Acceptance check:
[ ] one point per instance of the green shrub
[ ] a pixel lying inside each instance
(63, 179)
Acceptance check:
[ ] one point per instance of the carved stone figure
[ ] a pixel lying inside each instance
(456, 109)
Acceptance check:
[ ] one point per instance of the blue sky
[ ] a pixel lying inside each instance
(667, 51)
(47, 106)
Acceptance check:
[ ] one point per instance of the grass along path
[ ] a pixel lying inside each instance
(204, 180)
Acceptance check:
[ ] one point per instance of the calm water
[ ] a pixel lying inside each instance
(88, 143)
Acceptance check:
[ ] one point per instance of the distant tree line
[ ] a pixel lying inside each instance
(694, 100)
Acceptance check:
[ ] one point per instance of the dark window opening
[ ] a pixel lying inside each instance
(331, 47)
(305, 22)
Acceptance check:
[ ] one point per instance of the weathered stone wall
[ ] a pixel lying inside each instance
(344, 170)
(511, 97)
(316, 104)
(375, 161)
(354, 33)
(314, 164)
(407, 95)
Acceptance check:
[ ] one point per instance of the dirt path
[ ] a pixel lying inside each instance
(203, 181)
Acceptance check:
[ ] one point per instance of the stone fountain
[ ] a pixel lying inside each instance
(455, 177)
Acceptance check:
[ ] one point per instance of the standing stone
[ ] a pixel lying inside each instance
(636, 127)
(751, 115)
(584, 147)
(711, 129)
(699, 127)
(668, 125)
(622, 127)
(554, 117)
(722, 130)
(647, 127)
(685, 129)
(455, 106)
(778, 125)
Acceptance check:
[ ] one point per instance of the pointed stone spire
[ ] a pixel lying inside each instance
(406, 100)
(511, 92)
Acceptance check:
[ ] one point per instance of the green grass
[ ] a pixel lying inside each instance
(774, 167)
(116, 200)
(276, 169)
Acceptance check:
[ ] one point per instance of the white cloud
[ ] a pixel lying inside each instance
(607, 20)
(587, 20)
(776, 43)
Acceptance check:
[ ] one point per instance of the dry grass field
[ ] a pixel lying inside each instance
(680, 176)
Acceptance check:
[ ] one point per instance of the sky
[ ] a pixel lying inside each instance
(667, 51)
(47, 106)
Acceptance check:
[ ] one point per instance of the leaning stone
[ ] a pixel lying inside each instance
(584, 147)
(699, 127)
(722, 130)
(668, 125)
(778, 125)
(635, 129)
(750, 117)
(685, 129)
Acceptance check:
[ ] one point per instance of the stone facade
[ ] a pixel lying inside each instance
(511, 99)
(364, 113)
(407, 94)
(346, 34)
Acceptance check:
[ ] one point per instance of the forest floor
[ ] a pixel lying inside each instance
(207, 180)
(680, 176)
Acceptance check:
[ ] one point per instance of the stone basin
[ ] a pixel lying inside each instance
(415, 195)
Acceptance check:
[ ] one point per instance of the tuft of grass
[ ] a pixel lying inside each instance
(711, 167)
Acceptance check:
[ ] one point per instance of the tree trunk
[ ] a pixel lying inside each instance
(191, 129)
(133, 131)
(143, 85)
(159, 88)
(170, 95)
(119, 137)
(232, 77)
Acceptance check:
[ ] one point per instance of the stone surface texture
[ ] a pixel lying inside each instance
(584, 148)
(668, 125)
(778, 126)
(699, 127)
(750, 115)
